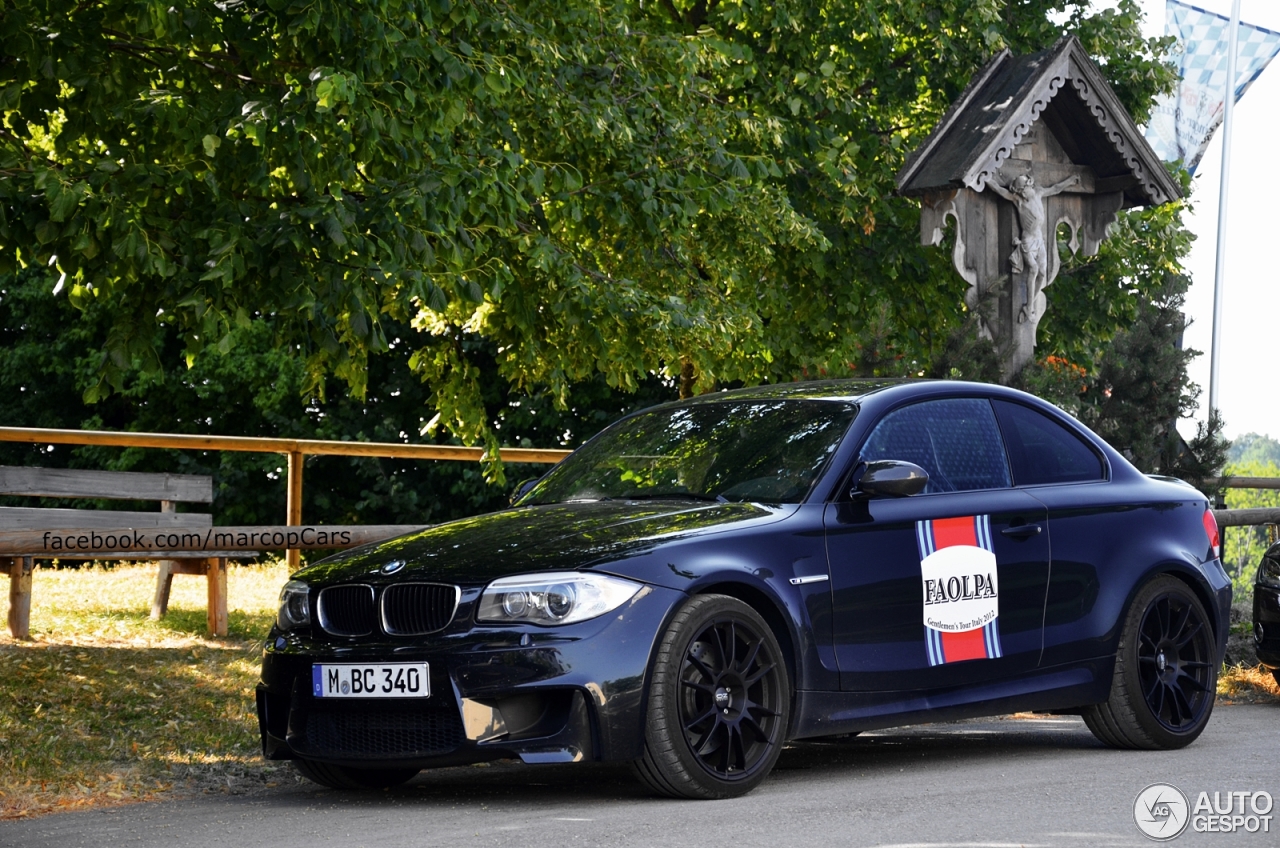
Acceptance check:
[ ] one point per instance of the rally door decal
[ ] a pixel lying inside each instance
(961, 589)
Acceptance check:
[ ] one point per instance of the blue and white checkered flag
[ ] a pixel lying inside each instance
(1182, 123)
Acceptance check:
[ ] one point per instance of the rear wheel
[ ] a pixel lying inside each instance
(719, 701)
(347, 777)
(1166, 673)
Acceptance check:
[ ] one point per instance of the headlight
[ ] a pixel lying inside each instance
(1269, 573)
(295, 610)
(561, 597)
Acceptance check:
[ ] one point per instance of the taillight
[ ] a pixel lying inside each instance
(1211, 530)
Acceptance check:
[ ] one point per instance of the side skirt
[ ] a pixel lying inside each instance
(1061, 688)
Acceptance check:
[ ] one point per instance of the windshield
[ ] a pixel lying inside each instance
(746, 450)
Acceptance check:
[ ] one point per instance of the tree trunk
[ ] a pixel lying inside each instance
(687, 379)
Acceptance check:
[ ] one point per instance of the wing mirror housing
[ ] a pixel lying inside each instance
(891, 478)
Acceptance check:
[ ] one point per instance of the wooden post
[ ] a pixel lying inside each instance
(20, 597)
(164, 576)
(216, 571)
(293, 507)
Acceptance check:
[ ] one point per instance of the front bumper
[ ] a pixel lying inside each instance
(1266, 625)
(541, 694)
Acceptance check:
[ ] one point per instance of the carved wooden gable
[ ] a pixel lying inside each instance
(1034, 143)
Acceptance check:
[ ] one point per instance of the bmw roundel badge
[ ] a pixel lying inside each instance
(393, 566)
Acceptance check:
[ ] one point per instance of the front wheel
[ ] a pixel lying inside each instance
(1166, 673)
(719, 702)
(347, 777)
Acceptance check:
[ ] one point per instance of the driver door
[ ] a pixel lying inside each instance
(945, 588)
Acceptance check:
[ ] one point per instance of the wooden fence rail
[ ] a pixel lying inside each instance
(1247, 517)
(1244, 482)
(296, 450)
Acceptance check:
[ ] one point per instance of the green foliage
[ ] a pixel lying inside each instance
(1141, 386)
(1243, 546)
(1253, 448)
(49, 355)
(545, 195)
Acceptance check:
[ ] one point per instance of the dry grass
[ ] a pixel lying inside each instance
(105, 706)
(1243, 684)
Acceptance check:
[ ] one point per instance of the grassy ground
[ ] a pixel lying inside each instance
(105, 706)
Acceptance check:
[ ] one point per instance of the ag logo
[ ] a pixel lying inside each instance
(1161, 812)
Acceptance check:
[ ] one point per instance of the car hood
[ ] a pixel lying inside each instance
(539, 538)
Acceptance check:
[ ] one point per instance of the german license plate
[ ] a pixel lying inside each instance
(370, 680)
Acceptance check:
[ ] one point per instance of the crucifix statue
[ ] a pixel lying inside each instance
(1030, 256)
(1036, 154)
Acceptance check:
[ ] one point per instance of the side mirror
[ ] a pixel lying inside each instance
(523, 489)
(891, 478)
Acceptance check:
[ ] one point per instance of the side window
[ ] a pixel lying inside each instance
(955, 440)
(1043, 451)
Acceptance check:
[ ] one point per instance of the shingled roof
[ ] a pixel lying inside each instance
(1064, 88)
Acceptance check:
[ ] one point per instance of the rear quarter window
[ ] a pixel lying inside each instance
(1042, 451)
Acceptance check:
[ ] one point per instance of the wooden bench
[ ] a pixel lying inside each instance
(168, 489)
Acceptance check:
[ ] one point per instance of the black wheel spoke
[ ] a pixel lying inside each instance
(1177, 629)
(702, 667)
(701, 687)
(749, 722)
(751, 657)
(709, 712)
(723, 649)
(1157, 702)
(1195, 631)
(726, 750)
(738, 749)
(755, 678)
(1185, 679)
(700, 746)
(1182, 706)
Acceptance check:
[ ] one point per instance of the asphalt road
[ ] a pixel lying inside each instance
(1039, 781)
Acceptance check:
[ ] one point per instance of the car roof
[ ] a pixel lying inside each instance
(837, 390)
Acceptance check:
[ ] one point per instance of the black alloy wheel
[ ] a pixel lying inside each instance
(718, 702)
(1175, 657)
(1166, 674)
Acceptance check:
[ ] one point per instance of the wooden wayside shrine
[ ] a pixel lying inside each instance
(1033, 145)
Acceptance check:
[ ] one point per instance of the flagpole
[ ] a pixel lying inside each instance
(1227, 109)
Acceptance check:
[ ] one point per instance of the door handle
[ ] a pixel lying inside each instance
(1022, 531)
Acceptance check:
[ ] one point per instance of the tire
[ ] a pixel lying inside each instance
(719, 702)
(347, 777)
(1166, 673)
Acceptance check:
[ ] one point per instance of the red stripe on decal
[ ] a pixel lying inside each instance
(954, 531)
(968, 645)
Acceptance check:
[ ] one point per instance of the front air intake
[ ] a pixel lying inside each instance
(347, 610)
(414, 609)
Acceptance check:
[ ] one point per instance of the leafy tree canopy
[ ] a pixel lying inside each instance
(584, 189)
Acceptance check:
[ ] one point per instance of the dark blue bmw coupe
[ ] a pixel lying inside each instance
(704, 581)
